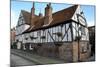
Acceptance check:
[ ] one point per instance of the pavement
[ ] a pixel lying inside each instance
(19, 61)
(37, 59)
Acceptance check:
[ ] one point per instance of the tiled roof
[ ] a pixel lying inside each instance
(63, 15)
(26, 16)
(36, 18)
(58, 18)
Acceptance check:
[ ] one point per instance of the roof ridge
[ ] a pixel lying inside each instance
(65, 9)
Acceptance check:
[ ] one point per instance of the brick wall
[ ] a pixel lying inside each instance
(85, 50)
(81, 51)
(65, 51)
(75, 51)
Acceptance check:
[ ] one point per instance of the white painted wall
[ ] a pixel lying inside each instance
(19, 38)
(69, 33)
(85, 37)
(48, 38)
(81, 20)
(75, 14)
(45, 33)
(18, 45)
(21, 26)
(21, 29)
(75, 33)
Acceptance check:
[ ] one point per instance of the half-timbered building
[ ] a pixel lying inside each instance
(63, 34)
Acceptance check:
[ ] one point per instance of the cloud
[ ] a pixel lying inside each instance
(13, 19)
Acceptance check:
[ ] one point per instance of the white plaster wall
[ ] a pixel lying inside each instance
(49, 38)
(84, 37)
(25, 36)
(75, 31)
(69, 33)
(77, 12)
(30, 47)
(18, 45)
(21, 29)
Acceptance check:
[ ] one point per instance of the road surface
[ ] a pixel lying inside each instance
(19, 61)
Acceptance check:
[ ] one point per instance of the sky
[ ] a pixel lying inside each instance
(17, 6)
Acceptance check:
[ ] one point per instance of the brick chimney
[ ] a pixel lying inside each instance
(48, 14)
(32, 14)
(32, 11)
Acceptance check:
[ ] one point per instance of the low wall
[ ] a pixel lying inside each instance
(62, 51)
(70, 51)
(85, 50)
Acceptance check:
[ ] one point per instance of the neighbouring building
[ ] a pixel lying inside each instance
(63, 34)
(92, 38)
(12, 37)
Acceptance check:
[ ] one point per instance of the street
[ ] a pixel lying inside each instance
(19, 61)
(24, 58)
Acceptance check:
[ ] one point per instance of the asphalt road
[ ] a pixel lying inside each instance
(19, 61)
